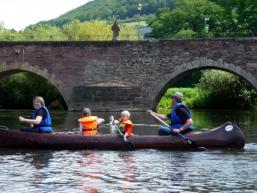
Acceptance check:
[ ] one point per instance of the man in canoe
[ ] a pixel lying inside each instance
(88, 124)
(41, 120)
(180, 116)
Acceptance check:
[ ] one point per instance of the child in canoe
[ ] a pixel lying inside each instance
(88, 124)
(125, 125)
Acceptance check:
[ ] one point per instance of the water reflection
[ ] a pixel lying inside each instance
(40, 159)
(42, 177)
(128, 170)
(139, 171)
(88, 178)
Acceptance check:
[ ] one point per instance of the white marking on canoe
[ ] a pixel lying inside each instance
(229, 128)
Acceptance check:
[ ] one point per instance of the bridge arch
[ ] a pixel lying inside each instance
(12, 68)
(202, 63)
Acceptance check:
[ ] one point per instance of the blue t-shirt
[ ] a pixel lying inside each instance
(182, 112)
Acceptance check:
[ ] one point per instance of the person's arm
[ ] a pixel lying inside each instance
(161, 116)
(100, 121)
(128, 130)
(185, 116)
(41, 114)
(184, 127)
(31, 121)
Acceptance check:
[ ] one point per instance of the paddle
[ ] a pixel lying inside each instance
(130, 145)
(188, 141)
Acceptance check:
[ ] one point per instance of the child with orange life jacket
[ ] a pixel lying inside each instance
(88, 124)
(125, 125)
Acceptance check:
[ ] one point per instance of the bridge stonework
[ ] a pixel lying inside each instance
(132, 75)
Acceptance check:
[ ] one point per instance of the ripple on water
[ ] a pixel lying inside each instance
(251, 147)
(129, 171)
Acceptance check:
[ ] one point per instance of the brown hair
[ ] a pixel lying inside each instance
(40, 99)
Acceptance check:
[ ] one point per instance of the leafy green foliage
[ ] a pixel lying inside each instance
(239, 18)
(192, 18)
(193, 97)
(227, 90)
(43, 32)
(216, 90)
(206, 18)
(75, 31)
(96, 30)
(18, 91)
(110, 10)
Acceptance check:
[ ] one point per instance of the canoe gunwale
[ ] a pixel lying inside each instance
(217, 138)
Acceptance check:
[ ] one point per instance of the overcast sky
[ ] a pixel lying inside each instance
(18, 14)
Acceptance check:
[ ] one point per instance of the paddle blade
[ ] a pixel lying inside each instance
(194, 146)
(131, 146)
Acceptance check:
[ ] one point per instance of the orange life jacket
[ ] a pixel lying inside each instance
(89, 124)
(126, 127)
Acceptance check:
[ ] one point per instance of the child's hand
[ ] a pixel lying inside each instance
(21, 119)
(100, 121)
(116, 122)
(125, 137)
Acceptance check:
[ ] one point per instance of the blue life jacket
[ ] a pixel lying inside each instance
(46, 124)
(176, 121)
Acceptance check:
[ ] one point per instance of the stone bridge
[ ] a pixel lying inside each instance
(133, 75)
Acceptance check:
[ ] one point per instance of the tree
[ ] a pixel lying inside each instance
(199, 18)
(109, 9)
(43, 32)
(96, 30)
(227, 90)
(18, 88)
(239, 17)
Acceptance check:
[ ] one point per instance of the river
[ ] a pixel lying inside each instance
(132, 171)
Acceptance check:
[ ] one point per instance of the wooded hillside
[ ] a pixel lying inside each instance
(110, 10)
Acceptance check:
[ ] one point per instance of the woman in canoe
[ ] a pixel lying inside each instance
(41, 120)
(88, 124)
(180, 116)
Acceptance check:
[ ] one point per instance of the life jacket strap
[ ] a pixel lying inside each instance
(89, 129)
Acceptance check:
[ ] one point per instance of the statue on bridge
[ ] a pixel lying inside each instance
(116, 30)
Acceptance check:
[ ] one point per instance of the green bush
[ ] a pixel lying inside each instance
(195, 98)
(227, 90)
(18, 91)
(216, 90)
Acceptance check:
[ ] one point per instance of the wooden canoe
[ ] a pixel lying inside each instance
(227, 135)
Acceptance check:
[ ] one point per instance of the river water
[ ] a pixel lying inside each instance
(132, 171)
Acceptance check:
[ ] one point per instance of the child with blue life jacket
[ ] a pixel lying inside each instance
(180, 116)
(41, 120)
